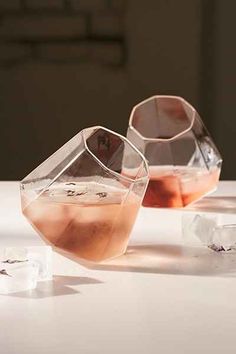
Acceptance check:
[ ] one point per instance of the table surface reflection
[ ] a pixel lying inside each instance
(161, 297)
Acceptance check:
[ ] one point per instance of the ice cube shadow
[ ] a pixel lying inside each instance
(172, 259)
(60, 285)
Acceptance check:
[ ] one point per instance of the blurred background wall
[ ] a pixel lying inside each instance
(68, 64)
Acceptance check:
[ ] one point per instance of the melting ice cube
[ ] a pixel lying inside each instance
(22, 267)
(207, 229)
(224, 238)
(43, 256)
(18, 276)
(195, 226)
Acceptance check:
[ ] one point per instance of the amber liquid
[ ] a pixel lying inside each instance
(92, 221)
(179, 187)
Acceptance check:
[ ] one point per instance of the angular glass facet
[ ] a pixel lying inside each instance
(83, 200)
(184, 163)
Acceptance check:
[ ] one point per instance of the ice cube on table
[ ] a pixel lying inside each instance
(18, 276)
(206, 229)
(224, 238)
(197, 228)
(13, 253)
(42, 255)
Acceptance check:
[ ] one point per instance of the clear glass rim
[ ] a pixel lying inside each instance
(194, 113)
(116, 174)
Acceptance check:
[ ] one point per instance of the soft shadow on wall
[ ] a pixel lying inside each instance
(68, 64)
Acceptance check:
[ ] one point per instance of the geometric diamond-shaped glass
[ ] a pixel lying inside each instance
(83, 200)
(184, 163)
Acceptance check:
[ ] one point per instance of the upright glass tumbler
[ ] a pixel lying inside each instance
(184, 163)
(80, 200)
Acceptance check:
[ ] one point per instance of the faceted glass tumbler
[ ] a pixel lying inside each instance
(83, 200)
(184, 163)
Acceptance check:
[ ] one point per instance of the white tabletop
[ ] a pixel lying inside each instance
(159, 298)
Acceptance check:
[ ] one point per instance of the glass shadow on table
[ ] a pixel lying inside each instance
(59, 285)
(172, 259)
(179, 259)
(221, 204)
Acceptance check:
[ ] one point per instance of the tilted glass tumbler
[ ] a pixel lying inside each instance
(83, 200)
(184, 163)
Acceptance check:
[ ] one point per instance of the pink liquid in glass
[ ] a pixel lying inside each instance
(179, 186)
(90, 221)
